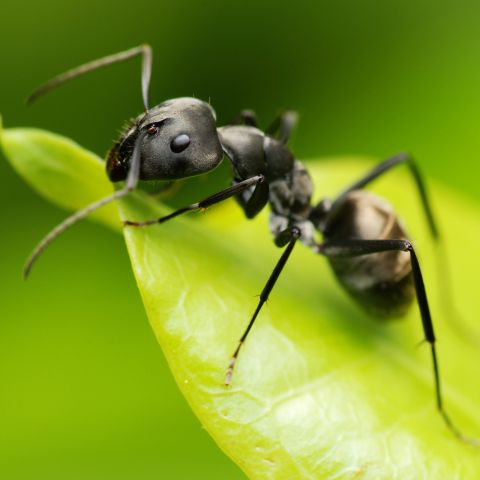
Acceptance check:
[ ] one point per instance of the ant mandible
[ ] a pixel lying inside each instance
(365, 244)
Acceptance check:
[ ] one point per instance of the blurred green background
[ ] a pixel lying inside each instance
(84, 389)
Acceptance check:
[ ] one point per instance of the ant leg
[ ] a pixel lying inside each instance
(282, 126)
(353, 248)
(131, 183)
(253, 202)
(144, 50)
(246, 117)
(290, 237)
(387, 165)
(205, 203)
(443, 271)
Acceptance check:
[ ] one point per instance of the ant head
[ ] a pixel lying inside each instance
(180, 141)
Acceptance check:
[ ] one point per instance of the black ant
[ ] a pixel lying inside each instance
(364, 242)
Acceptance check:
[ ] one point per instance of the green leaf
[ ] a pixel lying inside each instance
(59, 170)
(320, 390)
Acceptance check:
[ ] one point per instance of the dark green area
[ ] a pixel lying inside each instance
(85, 392)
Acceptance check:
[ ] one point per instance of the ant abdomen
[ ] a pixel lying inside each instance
(382, 282)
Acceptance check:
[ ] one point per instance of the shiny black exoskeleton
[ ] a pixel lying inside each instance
(362, 238)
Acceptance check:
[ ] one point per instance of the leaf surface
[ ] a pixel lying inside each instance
(320, 390)
(60, 170)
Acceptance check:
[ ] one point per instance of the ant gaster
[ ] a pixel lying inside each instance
(366, 246)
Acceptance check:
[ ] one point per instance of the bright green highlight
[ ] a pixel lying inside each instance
(320, 389)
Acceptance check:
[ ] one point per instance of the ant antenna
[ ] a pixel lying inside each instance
(144, 50)
(134, 172)
(131, 183)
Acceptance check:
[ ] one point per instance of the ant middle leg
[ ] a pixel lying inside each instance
(287, 237)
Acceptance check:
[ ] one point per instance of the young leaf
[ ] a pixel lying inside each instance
(60, 170)
(320, 389)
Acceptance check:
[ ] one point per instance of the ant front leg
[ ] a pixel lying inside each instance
(353, 248)
(287, 237)
(205, 203)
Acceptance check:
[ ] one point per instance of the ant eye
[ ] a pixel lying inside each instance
(152, 130)
(180, 143)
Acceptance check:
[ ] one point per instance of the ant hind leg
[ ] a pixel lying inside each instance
(353, 248)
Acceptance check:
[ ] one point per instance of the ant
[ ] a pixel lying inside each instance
(363, 240)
